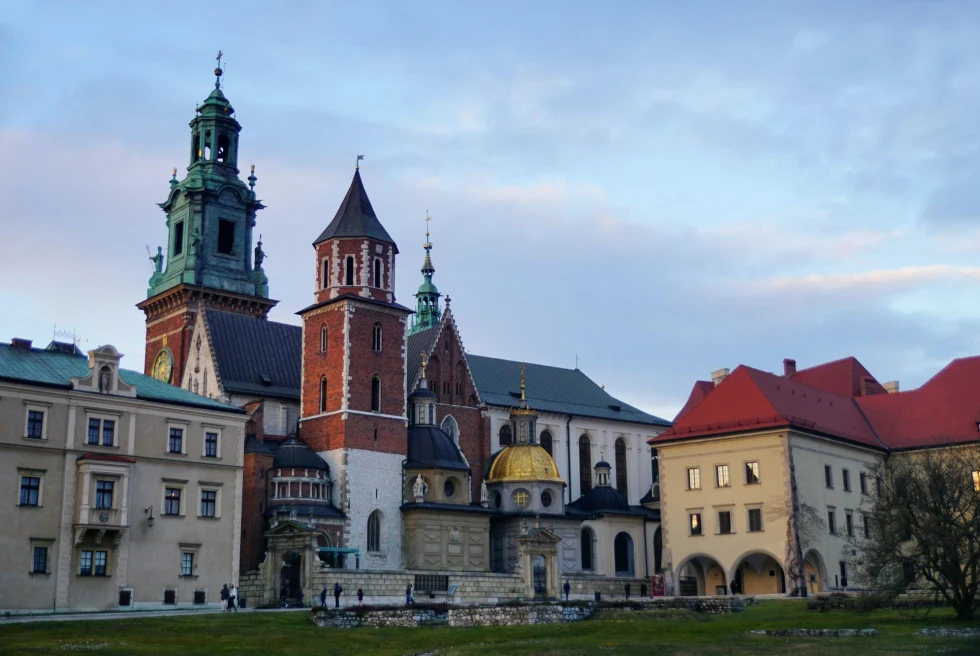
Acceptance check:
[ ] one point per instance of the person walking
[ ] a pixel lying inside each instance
(233, 598)
(360, 597)
(643, 590)
(323, 597)
(408, 595)
(336, 594)
(224, 598)
(567, 588)
(627, 590)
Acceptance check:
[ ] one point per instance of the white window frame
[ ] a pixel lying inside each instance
(194, 549)
(35, 473)
(697, 475)
(36, 407)
(116, 490)
(748, 518)
(102, 417)
(184, 426)
(170, 588)
(379, 263)
(94, 549)
(690, 529)
(176, 484)
(46, 543)
(208, 487)
(728, 476)
(758, 466)
(324, 269)
(205, 429)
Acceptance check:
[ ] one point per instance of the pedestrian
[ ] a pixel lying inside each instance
(336, 594)
(408, 595)
(567, 588)
(732, 587)
(627, 590)
(233, 598)
(224, 598)
(323, 597)
(360, 597)
(643, 590)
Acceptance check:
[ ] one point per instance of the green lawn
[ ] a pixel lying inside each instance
(620, 632)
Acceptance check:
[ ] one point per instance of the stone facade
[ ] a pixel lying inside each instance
(446, 540)
(456, 616)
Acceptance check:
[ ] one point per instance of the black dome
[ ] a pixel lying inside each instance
(601, 464)
(601, 498)
(422, 393)
(293, 454)
(430, 447)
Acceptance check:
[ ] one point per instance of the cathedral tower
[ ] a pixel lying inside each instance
(353, 388)
(210, 219)
(427, 312)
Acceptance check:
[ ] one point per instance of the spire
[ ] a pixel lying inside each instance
(427, 312)
(355, 217)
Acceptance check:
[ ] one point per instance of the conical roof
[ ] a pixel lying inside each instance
(355, 217)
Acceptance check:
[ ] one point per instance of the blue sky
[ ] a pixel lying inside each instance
(661, 189)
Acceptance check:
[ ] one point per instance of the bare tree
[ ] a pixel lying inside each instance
(924, 527)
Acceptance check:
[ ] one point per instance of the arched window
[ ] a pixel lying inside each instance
(323, 338)
(584, 464)
(654, 466)
(621, 481)
(325, 274)
(376, 338)
(460, 377)
(506, 435)
(376, 393)
(349, 273)
(207, 145)
(323, 393)
(377, 272)
(547, 442)
(451, 428)
(623, 553)
(588, 544)
(223, 145)
(374, 531)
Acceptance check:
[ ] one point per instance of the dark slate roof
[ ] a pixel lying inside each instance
(256, 356)
(355, 297)
(56, 369)
(293, 454)
(601, 498)
(355, 217)
(417, 344)
(551, 389)
(305, 510)
(253, 445)
(430, 447)
(472, 507)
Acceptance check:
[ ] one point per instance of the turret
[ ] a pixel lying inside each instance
(427, 312)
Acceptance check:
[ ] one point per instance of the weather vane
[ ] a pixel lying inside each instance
(357, 164)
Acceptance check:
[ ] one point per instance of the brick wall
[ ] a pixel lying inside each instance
(254, 502)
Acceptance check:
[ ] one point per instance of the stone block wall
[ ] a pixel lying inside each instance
(584, 586)
(456, 616)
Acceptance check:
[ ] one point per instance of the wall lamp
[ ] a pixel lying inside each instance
(149, 520)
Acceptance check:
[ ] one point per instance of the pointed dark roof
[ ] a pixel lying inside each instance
(355, 217)
(256, 356)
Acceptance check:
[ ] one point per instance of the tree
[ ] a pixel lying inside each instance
(924, 526)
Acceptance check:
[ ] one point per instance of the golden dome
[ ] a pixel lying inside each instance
(523, 462)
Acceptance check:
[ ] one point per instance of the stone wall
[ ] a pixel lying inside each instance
(456, 616)
(584, 586)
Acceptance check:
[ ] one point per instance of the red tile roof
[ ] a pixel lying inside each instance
(701, 389)
(110, 457)
(846, 377)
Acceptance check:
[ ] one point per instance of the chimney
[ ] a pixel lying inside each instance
(21, 343)
(789, 367)
(720, 375)
(891, 386)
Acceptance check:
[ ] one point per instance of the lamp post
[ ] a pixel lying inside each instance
(149, 520)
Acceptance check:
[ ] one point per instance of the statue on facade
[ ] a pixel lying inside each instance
(419, 488)
(157, 260)
(259, 254)
(484, 495)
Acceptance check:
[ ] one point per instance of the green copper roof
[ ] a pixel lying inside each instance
(427, 312)
(56, 369)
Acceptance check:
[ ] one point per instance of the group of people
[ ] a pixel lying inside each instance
(339, 590)
(229, 598)
(567, 589)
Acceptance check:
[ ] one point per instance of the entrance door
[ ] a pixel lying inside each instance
(289, 575)
(540, 574)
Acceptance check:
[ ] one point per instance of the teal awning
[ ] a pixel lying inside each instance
(342, 550)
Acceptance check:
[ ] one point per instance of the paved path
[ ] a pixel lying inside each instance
(127, 615)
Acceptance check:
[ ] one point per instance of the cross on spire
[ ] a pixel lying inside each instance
(218, 71)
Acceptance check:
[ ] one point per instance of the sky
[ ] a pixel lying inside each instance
(658, 189)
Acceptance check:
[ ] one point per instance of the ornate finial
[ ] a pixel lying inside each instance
(357, 164)
(252, 178)
(523, 398)
(602, 451)
(425, 360)
(427, 244)
(173, 177)
(218, 71)
(448, 301)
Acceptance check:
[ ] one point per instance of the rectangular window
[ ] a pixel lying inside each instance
(867, 525)
(752, 472)
(30, 490)
(35, 424)
(846, 478)
(101, 562)
(864, 483)
(39, 564)
(226, 237)
(210, 445)
(694, 478)
(755, 520)
(908, 572)
(976, 481)
(108, 432)
(85, 563)
(187, 564)
(831, 521)
(103, 430)
(103, 494)
(721, 476)
(849, 523)
(179, 238)
(171, 501)
(724, 522)
(695, 519)
(843, 574)
(93, 430)
(209, 500)
(828, 475)
(176, 443)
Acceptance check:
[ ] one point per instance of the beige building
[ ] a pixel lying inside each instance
(122, 491)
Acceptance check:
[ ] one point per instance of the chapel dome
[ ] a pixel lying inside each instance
(293, 454)
(429, 447)
(523, 462)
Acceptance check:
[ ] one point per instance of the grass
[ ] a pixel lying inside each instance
(618, 632)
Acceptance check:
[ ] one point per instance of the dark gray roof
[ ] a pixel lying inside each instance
(253, 445)
(293, 454)
(551, 389)
(355, 217)
(430, 447)
(601, 498)
(305, 510)
(425, 505)
(256, 356)
(417, 344)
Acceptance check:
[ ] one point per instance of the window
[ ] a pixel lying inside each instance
(828, 476)
(103, 494)
(622, 482)
(93, 563)
(171, 501)
(864, 483)
(654, 466)
(725, 522)
(908, 572)
(323, 393)
(187, 564)
(584, 464)
(448, 488)
(866, 522)
(325, 275)
(721, 476)
(170, 596)
(101, 563)
(209, 502)
(755, 520)
(377, 272)
(374, 531)
(376, 338)
(349, 271)
(521, 498)
(376, 393)
(849, 523)
(846, 479)
(588, 540)
(752, 472)
(178, 238)
(546, 499)
(222, 155)
(35, 424)
(39, 562)
(210, 444)
(506, 436)
(547, 442)
(176, 442)
(323, 338)
(831, 521)
(695, 523)
(30, 491)
(103, 430)
(843, 574)
(976, 481)
(694, 478)
(85, 563)
(226, 237)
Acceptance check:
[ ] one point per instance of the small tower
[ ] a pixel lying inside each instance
(427, 312)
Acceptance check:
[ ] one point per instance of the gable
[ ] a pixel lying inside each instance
(447, 360)
(256, 357)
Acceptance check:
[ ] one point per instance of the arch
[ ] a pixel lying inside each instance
(323, 338)
(506, 435)
(374, 531)
(376, 338)
(758, 572)
(377, 273)
(323, 393)
(539, 575)
(548, 442)
(349, 270)
(623, 554)
(224, 146)
(450, 427)
(622, 479)
(658, 550)
(325, 274)
(376, 393)
(700, 574)
(584, 463)
(815, 571)
(587, 540)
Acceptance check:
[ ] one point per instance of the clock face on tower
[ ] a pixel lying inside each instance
(163, 365)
